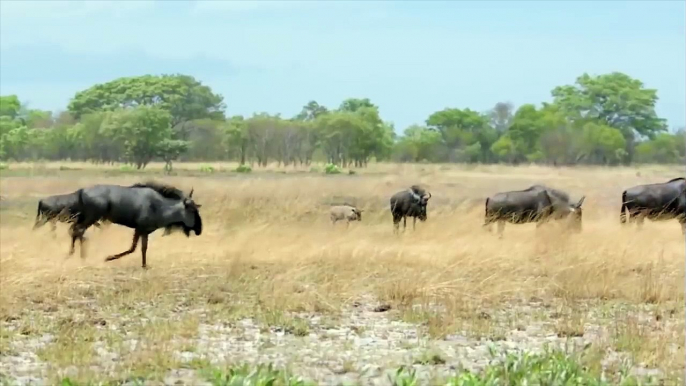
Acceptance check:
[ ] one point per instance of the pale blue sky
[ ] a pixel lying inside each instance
(410, 58)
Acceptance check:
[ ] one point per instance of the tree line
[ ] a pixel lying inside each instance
(608, 119)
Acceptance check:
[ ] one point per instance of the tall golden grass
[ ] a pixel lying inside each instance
(268, 243)
(283, 221)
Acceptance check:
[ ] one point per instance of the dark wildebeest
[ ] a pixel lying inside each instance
(145, 207)
(60, 207)
(345, 212)
(411, 202)
(661, 201)
(537, 204)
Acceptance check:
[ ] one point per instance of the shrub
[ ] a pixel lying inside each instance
(207, 169)
(243, 169)
(331, 169)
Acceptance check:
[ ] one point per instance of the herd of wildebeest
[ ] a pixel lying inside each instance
(147, 207)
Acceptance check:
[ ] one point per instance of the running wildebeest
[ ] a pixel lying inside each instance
(411, 202)
(538, 204)
(345, 212)
(145, 207)
(656, 202)
(60, 207)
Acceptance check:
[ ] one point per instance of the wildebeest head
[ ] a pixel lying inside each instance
(191, 216)
(358, 214)
(420, 198)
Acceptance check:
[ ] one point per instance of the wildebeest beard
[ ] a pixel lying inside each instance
(196, 228)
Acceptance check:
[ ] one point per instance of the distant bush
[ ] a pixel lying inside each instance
(243, 169)
(4, 166)
(207, 169)
(331, 169)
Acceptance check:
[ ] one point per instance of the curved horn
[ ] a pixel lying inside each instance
(427, 195)
(191, 194)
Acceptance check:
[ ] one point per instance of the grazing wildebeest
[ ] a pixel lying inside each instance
(60, 207)
(145, 207)
(656, 202)
(345, 212)
(538, 204)
(411, 202)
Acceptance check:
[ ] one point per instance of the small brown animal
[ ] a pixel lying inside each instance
(345, 212)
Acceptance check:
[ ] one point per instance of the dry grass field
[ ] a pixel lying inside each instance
(271, 280)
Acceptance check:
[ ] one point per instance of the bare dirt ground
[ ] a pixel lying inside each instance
(270, 280)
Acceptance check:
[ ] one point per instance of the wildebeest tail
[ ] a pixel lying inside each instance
(38, 215)
(622, 214)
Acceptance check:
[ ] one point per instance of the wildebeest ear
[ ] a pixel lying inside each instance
(578, 204)
(190, 195)
(198, 205)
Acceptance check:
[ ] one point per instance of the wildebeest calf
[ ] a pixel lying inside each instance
(537, 204)
(656, 202)
(345, 212)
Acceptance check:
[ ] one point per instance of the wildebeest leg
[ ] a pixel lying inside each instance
(40, 221)
(501, 228)
(144, 249)
(639, 220)
(77, 231)
(136, 236)
(396, 223)
(414, 222)
(683, 227)
(404, 223)
(487, 225)
(53, 228)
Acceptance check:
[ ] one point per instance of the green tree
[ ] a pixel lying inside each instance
(182, 96)
(354, 104)
(419, 143)
(615, 100)
(9, 106)
(141, 130)
(311, 111)
(170, 150)
(461, 130)
(603, 144)
(664, 148)
(236, 136)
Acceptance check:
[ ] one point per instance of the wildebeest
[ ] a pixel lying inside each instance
(60, 207)
(145, 207)
(661, 201)
(537, 204)
(345, 212)
(411, 202)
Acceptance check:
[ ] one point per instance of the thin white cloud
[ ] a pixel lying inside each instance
(250, 5)
(15, 10)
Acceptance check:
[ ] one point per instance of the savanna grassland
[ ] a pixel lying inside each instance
(271, 280)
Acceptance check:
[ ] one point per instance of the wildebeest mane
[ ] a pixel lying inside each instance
(418, 190)
(167, 191)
